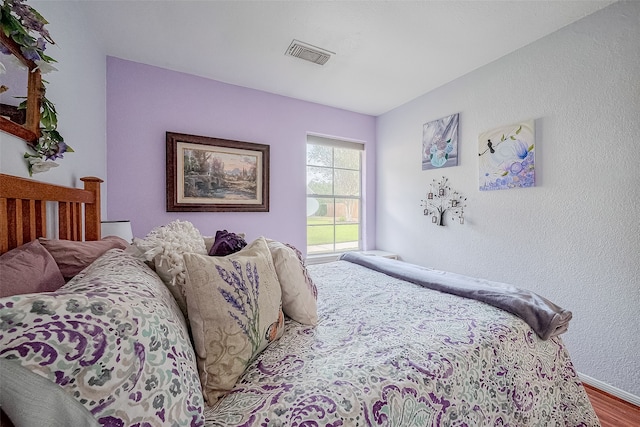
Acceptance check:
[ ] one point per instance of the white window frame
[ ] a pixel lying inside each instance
(339, 143)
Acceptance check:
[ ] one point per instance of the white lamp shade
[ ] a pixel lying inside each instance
(121, 229)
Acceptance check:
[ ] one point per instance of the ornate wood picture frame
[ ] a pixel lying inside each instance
(216, 175)
(24, 124)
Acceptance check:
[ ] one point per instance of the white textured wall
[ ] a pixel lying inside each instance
(78, 90)
(575, 237)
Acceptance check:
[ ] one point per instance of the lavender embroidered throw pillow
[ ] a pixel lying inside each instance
(234, 311)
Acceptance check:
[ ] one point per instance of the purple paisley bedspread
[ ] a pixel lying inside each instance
(390, 353)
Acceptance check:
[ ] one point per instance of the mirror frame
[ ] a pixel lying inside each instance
(30, 131)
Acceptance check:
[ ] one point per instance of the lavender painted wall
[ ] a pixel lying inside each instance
(144, 102)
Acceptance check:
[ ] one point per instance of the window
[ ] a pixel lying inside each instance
(334, 196)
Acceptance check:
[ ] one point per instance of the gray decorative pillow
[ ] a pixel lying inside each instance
(32, 400)
(299, 293)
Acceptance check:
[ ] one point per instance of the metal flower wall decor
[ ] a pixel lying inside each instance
(440, 200)
(25, 26)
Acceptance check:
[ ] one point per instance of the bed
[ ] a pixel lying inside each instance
(371, 344)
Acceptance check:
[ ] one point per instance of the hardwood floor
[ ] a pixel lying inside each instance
(612, 411)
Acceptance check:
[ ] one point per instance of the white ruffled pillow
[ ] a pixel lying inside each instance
(164, 246)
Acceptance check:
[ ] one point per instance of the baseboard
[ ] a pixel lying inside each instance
(614, 391)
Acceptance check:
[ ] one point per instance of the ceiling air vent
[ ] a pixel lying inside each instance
(308, 52)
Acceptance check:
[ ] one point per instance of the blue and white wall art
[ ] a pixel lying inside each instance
(440, 143)
(507, 158)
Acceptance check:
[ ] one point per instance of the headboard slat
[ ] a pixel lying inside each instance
(4, 225)
(64, 221)
(29, 223)
(77, 220)
(23, 210)
(14, 217)
(41, 218)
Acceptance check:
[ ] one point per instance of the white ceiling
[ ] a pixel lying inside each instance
(386, 52)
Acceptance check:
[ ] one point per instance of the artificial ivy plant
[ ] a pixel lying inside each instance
(25, 26)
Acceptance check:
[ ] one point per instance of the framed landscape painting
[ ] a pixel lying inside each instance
(216, 175)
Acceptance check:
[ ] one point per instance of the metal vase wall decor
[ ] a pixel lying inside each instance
(440, 143)
(440, 200)
(507, 157)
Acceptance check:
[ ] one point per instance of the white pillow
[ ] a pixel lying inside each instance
(165, 246)
(299, 293)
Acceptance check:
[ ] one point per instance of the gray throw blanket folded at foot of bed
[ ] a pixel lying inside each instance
(544, 317)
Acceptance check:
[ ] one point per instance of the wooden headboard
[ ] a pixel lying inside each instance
(23, 210)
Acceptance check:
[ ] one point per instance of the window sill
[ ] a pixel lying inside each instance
(323, 258)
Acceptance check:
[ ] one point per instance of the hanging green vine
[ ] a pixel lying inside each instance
(25, 26)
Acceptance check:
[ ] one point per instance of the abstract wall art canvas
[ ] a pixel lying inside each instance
(507, 157)
(440, 143)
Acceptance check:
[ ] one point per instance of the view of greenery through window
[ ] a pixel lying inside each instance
(333, 198)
